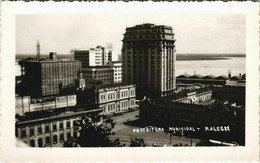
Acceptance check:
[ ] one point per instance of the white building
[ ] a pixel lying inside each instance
(117, 67)
(111, 98)
(93, 57)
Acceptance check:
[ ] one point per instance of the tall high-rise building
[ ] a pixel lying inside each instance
(148, 58)
(45, 77)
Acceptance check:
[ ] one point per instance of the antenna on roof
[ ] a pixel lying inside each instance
(38, 50)
(229, 73)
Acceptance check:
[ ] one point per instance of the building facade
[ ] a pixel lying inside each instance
(47, 76)
(174, 115)
(117, 67)
(111, 98)
(148, 58)
(26, 104)
(93, 57)
(105, 74)
(50, 131)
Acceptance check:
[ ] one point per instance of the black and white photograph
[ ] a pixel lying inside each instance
(114, 82)
(136, 79)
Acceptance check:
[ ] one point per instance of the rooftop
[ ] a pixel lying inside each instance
(184, 93)
(56, 113)
(100, 86)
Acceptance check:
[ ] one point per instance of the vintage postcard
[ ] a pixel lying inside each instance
(111, 81)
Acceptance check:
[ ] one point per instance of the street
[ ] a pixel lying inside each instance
(126, 132)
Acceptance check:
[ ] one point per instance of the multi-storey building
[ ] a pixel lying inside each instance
(196, 108)
(105, 74)
(93, 57)
(148, 56)
(51, 129)
(111, 98)
(45, 77)
(117, 67)
(26, 104)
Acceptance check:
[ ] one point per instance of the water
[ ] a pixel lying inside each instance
(202, 67)
(214, 67)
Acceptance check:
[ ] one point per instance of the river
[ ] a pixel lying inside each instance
(202, 67)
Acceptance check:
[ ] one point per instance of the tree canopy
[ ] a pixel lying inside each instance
(94, 132)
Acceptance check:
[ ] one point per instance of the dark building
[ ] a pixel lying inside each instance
(47, 76)
(207, 80)
(83, 56)
(204, 114)
(148, 59)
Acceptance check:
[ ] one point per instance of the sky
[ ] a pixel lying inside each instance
(195, 33)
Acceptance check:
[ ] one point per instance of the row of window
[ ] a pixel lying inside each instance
(47, 129)
(111, 107)
(54, 139)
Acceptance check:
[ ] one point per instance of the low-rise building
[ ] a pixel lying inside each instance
(205, 112)
(49, 129)
(111, 98)
(26, 104)
(200, 96)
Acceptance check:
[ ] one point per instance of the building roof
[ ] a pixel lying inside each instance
(46, 59)
(115, 61)
(184, 93)
(96, 67)
(100, 86)
(196, 76)
(57, 113)
(222, 77)
(235, 83)
(209, 77)
(184, 76)
(235, 77)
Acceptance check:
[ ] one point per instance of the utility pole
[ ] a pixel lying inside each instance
(38, 50)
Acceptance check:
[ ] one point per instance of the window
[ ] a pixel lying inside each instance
(47, 128)
(39, 130)
(31, 131)
(68, 124)
(47, 140)
(40, 142)
(75, 134)
(68, 135)
(61, 138)
(74, 123)
(54, 127)
(61, 126)
(55, 140)
(23, 133)
(32, 143)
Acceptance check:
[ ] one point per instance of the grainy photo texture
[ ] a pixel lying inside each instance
(130, 80)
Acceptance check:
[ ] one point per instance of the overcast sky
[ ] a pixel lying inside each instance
(199, 33)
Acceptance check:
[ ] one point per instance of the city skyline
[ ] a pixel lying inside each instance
(224, 31)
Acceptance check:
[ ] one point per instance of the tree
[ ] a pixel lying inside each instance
(137, 142)
(94, 132)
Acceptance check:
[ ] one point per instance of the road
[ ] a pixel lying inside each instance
(126, 132)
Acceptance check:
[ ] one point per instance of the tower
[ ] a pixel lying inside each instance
(148, 59)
